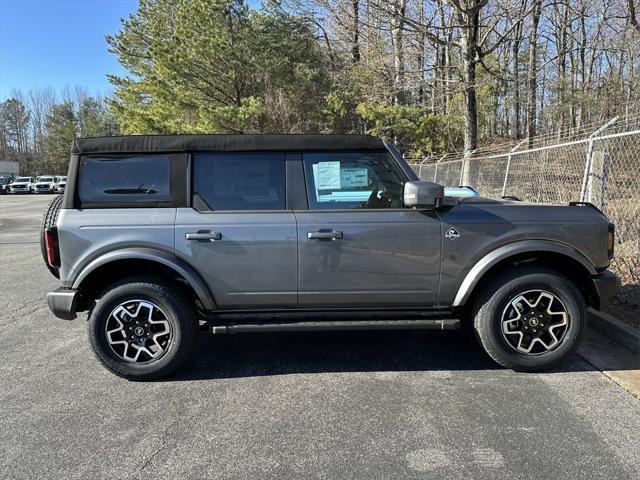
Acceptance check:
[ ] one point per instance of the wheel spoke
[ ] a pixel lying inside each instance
(534, 322)
(138, 331)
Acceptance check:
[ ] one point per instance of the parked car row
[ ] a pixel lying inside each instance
(40, 184)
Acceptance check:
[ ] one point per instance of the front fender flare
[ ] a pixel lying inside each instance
(511, 249)
(164, 258)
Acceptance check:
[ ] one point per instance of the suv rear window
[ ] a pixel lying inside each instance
(131, 179)
(240, 181)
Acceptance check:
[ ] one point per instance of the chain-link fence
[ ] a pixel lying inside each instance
(603, 168)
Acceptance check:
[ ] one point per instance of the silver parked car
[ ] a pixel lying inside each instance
(156, 235)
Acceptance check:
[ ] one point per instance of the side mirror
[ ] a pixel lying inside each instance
(422, 194)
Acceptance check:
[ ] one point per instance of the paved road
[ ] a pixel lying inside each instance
(329, 405)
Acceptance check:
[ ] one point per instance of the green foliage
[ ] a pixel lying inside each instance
(93, 118)
(417, 132)
(339, 113)
(14, 123)
(215, 66)
(61, 125)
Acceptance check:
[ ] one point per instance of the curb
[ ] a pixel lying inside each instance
(614, 329)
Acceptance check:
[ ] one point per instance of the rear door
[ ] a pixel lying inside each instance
(238, 232)
(358, 246)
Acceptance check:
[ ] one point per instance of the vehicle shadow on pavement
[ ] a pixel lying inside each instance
(247, 355)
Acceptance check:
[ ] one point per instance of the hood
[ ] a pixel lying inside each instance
(516, 210)
(488, 201)
(484, 224)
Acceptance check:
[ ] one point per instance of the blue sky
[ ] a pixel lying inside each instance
(58, 43)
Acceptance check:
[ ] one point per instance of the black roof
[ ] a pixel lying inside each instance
(228, 143)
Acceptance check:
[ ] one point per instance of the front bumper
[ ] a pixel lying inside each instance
(62, 302)
(607, 285)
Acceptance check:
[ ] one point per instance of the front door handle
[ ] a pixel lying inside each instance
(324, 235)
(204, 235)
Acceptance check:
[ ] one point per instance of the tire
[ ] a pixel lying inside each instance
(498, 319)
(49, 219)
(172, 303)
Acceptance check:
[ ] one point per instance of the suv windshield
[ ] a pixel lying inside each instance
(46, 179)
(22, 179)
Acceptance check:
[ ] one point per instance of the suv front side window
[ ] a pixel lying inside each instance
(239, 181)
(355, 180)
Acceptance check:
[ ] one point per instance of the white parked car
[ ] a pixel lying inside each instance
(61, 184)
(45, 184)
(21, 185)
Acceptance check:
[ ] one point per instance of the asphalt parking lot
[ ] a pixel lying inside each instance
(321, 405)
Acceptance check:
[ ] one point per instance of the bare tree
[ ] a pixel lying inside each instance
(533, 72)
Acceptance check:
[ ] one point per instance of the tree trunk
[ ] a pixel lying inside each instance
(355, 48)
(397, 30)
(532, 73)
(516, 89)
(470, 57)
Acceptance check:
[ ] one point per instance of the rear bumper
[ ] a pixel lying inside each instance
(62, 302)
(607, 285)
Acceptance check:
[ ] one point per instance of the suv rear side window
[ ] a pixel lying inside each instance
(239, 181)
(130, 179)
(358, 180)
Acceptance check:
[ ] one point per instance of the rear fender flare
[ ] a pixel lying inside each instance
(158, 256)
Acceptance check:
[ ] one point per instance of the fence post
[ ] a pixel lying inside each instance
(599, 170)
(464, 168)
(435, 174)
(420, 166)
(587, 163)
(506, 172)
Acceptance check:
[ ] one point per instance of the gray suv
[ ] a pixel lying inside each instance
(157, 236)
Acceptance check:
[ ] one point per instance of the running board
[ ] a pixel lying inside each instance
(325, 326)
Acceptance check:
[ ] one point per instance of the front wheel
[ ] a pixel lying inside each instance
(143, 328)
(530, 318)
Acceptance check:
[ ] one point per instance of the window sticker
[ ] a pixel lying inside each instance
(327, 175)
(354, 177)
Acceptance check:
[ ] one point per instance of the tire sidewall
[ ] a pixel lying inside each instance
(49, 219)
(558, 286)
(97, 331)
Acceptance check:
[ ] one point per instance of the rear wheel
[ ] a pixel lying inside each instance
(143, 328)
(530, 318)
(49, 220)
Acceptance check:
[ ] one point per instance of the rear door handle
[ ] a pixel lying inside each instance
(204, 235)
(324, 235)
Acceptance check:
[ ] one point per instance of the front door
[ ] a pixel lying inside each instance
(239, 235)
(357, 244)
